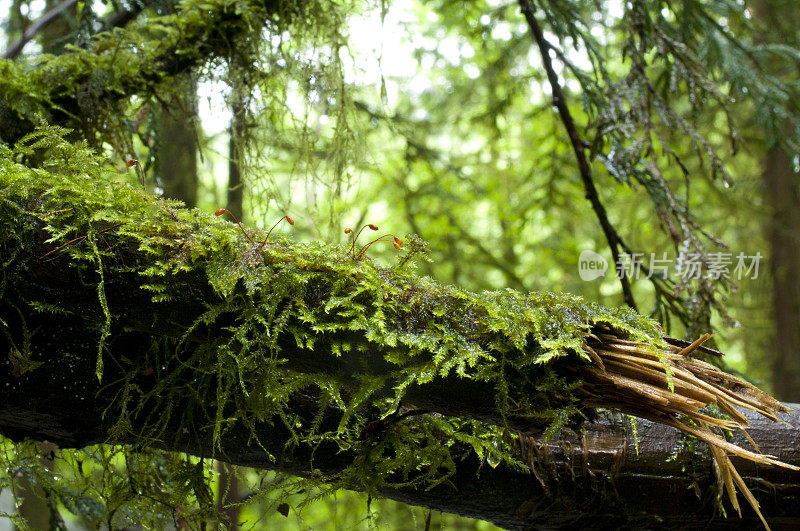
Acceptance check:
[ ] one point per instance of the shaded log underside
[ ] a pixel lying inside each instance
(594, 481)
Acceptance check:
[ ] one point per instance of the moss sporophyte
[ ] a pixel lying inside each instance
(396, 242)
(375, 346)
(140, 171)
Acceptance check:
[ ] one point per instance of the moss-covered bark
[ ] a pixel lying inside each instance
(131, 319)
(88, 88)
(274, 316)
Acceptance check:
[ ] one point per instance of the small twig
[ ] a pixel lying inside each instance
(124, 16)
(79, 238)
(578, 147)
(683, 344)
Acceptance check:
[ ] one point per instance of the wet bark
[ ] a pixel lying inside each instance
(783, 193)
(594, 481)
(235, 191)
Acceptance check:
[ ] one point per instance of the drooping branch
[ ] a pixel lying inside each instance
(578, 147)
(16, 48)
(125, 15)
(118, 19)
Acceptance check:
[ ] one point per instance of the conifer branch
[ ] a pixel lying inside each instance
(578, 146)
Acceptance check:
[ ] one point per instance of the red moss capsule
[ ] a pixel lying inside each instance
(287, 218)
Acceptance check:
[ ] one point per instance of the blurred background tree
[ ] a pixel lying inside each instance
(437, 118)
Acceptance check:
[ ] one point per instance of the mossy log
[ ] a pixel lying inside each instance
(128, 319)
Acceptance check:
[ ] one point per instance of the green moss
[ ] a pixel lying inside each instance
(89, 87)
(313, 292)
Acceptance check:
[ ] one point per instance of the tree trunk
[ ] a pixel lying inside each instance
(228, 494)
(176, 156)
(235, 192)
(595, 481)
(782, 190)
(781, 183)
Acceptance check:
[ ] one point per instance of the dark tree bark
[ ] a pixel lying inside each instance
(596, 481)
(235, 191)
(176, 155)
(783, 195)
(228, 494)
(228, 487)
(782, 191)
